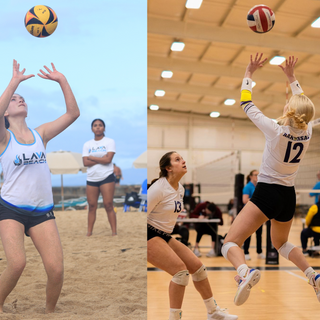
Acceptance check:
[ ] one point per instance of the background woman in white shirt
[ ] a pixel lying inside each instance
(165, 201)
(97, 155)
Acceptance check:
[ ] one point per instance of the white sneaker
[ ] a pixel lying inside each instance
(211, 254)
(261, 256)
(244, 286)
(247, 256)
(197, 253)
(221, 314)
(315, 282)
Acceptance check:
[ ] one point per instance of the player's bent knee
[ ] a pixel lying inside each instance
(200, 274)
(285, 249)
(181, 278)
(225, 248)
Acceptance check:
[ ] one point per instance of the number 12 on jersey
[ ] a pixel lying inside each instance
(288, 151)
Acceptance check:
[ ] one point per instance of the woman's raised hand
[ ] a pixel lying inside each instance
(51, 75)
(254, 64)
(288, 69)
(19, 75)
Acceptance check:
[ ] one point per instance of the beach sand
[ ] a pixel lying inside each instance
(105, 276)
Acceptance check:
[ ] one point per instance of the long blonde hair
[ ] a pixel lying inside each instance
(300, 112)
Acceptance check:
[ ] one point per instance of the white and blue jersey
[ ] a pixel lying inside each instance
(99, 148)
(164, 205)
(285, 146)
(27, 182)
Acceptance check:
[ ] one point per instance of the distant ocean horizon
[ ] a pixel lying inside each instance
(131, 176)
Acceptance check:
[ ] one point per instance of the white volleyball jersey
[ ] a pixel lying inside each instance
(284, 149)
(164, 205)
(99, 148)
(27, 181)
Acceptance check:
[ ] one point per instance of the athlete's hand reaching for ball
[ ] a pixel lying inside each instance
(19, 75)
(288, 69)
(254, 64)
(51, 75)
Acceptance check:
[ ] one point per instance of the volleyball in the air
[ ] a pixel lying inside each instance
(260, 18)
(41, 21)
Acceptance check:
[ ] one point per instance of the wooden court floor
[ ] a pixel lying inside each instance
(282, 293)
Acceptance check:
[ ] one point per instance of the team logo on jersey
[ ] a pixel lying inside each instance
(36, 158)
(98, 149)
(17, 161)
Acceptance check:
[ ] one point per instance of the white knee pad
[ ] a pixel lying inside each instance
(200, 274)
(285, 249)
(181, 278)
(225, 248)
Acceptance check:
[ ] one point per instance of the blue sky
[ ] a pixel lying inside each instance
(101, 47)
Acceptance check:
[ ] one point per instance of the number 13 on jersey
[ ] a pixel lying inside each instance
(177, 206)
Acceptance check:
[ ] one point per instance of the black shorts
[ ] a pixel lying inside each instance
(154, 232)
(27, 221)
(275, 201)
(108, 179)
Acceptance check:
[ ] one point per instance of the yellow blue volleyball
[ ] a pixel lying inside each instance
(41, 21)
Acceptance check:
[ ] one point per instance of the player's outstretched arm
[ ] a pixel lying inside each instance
(17, 77)
(51, 129)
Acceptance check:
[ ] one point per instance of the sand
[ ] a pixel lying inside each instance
(105, 276)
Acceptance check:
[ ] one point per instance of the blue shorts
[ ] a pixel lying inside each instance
(108, 179)
(27, 221)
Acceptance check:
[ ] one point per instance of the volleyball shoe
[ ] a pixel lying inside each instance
(221, 314)
(245, 284)
(315, 282)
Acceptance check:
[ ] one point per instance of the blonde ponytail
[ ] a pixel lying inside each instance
(300, 112)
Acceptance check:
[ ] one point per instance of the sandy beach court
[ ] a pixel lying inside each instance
(105, 276)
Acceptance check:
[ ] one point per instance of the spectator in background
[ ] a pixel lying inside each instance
(206, 210)
(118, 174)
(231, 210)
(316, 187)
(247, 193)
(183, 231)
(313, 227)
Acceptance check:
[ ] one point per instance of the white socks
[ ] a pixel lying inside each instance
(175, 314)
(309, 272)
(242, 270)
(211, 305)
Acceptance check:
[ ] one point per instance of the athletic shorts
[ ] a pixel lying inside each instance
(108, 179)
(275, 201)
(27, 221)
(154, 232)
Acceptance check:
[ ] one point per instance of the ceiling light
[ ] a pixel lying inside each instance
(177, 46)
(276, 60)
(230, 102)
(153, 107)
(159, 93)
(253, 84)
(166, 74)
(316, 23)
(214, 114)
(193, 4)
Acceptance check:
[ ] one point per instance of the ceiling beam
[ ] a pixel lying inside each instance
(189, 107)
(211, 91)
(226, 71)
(197, 31)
